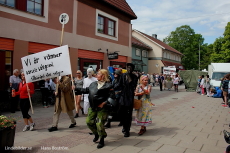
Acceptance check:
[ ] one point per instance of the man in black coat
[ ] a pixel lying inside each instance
(128, 82)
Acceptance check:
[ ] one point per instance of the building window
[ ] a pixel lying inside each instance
(138, 52)
(144, 53)
(8, 2)
(34, 6)
(111, 27)
(100, 24)
(106, 25)
(168, 56)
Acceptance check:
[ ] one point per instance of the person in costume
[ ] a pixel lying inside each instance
(99, 93)
(86, 83)
(144, 114)
(128, 85)
(64, 102)
(117, 89)
(78, 82)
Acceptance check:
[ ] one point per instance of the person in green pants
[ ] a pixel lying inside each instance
(99, 93)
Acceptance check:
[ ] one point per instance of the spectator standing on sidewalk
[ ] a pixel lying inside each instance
(24, 92)
(64, 102)
(225, 90)
(202, 85)
(207, 85)
(14, 81)
(176, 82)
(144, 114)
(160, 80)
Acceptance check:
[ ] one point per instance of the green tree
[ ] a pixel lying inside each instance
(216, 56)
(226, 44)
(187, 42)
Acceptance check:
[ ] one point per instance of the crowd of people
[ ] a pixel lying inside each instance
(222, 91)
(105, 99)
(164, 81)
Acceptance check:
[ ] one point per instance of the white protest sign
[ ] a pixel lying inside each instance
(47, 64)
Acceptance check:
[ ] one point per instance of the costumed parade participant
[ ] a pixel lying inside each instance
(78, 82)
(117, 89)
(144, 114)
(24, 92)
(100, 95)
(128, 83)
(87, 81)
(64, 102)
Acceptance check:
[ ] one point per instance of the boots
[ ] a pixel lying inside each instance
(120, 124)
(101, 143)
(82, 111)
(96, 138)
(76, 116)
(108, 124)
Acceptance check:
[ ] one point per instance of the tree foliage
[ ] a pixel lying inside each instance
(187, 42)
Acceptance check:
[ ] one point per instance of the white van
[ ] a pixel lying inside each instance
(217, 71)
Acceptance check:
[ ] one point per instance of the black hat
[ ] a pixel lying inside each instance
(130, 64)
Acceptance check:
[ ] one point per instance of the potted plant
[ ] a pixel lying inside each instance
(7, 132)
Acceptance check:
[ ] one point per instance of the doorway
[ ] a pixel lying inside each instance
(89, 63)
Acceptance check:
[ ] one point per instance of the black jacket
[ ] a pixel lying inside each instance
(97, 96)
(128, 88)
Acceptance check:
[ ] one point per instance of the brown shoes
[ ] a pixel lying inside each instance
(142, 131)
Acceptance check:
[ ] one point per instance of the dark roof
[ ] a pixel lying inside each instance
(167, 47)
(123, 6)
(137, 42)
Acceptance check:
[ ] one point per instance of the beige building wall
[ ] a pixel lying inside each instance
(156, 50)
(152, 66)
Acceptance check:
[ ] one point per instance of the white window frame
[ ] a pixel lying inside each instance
(99, 12)
(144, 53)
(43, 18)
(138, 52)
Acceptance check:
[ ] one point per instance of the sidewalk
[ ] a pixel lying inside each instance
(183, 122)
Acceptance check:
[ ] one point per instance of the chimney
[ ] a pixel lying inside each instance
(154, 36)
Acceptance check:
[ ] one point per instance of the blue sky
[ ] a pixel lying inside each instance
(206, 17)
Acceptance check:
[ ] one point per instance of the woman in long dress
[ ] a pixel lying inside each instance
(144, 114)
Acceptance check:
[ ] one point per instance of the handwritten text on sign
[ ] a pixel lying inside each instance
(47, 64)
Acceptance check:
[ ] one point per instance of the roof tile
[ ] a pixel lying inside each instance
(167, 47)
(123, 6)
(137, 42)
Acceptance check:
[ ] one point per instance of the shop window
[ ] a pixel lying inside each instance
(10, 3)
(106, 25)
(138, 52)
(32, 6)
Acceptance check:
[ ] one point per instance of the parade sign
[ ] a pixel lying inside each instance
(47, 64)
(170, 70)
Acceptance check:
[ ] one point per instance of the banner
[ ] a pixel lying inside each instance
(47, 64)
(170, 70)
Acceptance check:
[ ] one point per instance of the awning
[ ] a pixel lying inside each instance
(177, 65)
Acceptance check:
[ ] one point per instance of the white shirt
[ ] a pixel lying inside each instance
(86, 82)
